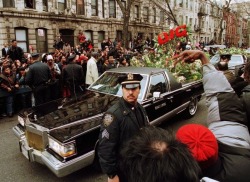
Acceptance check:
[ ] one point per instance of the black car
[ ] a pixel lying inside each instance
(64, 135)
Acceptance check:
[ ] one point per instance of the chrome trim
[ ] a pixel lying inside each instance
(61, 169)
(18, 132)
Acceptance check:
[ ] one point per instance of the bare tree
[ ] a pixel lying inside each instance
(225, 11)
(126, 11)
(167, 11)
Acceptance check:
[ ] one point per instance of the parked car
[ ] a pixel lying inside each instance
(64, 135)
(237, 61)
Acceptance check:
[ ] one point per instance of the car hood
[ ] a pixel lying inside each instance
(71, 114)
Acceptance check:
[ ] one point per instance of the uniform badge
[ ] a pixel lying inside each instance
(107, 119)
(105, 134)
(130, 76)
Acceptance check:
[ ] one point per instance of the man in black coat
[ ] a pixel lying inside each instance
(5, 49)
(122, 121)
(15, 52)
(37, 77)
(73, 77)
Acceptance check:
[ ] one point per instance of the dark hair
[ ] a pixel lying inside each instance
(222, 66)
(13, 40)
(154, 155)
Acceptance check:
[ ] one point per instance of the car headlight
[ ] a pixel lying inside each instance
(20, 120)
(63, 149)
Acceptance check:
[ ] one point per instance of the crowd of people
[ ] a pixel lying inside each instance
(129, 149)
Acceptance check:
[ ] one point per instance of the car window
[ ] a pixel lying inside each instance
(108, 83)
(157, 84)
(215, 59)
(236, 60)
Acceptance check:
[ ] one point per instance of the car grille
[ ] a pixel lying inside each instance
(35, 141)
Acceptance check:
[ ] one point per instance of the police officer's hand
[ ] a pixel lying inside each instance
(115, 179)
(189, 56)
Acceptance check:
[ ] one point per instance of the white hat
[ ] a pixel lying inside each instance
(49, 57)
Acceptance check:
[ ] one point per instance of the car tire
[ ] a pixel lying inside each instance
(191, 110)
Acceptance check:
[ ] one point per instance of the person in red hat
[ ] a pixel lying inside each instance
(226, 123)
(122, 121)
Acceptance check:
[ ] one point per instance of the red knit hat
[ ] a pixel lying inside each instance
(201, 142)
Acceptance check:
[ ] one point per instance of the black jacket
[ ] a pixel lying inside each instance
(73, 73)
(234, 165)
(246, 103)
(38, 74)
(118, 126)
(15, 53)
(4, 53)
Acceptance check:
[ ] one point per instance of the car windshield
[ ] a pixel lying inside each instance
(235, 60)
(108, 83)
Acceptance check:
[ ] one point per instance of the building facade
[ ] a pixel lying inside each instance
(35, 24)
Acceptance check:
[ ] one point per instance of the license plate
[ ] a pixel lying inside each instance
(24, 150)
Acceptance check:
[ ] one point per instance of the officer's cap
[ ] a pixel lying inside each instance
(225, 56)
(130, 80)
(35, 55)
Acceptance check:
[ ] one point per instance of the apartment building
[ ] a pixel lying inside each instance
(35, 24)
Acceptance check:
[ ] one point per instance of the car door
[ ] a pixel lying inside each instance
(156, 108)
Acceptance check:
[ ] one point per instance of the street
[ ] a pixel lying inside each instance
(15, 167)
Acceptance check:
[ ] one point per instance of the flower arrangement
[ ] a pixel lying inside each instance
(161, 57)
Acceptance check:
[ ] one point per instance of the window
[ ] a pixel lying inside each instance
(29, 4)
(137, 12)
(119, 35)
(181, 19)
(112, 8)
(80, 7)
(21, 38)
(154, 15)
(45, 5)
(145, 14)
(61, 5)
(190, 22)
(103, 10)
(101, 37)
(94, 7)
(41, 40)
(157, 84)
(8, 4)
(89, 35)
(161, 16)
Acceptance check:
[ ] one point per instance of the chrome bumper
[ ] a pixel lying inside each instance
(59, 168)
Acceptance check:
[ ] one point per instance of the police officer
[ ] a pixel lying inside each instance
(37, 77)
(119, 124)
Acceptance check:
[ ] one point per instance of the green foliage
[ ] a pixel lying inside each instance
(234, 50)
(162, 58)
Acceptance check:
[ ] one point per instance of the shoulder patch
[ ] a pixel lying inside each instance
(108, 119)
